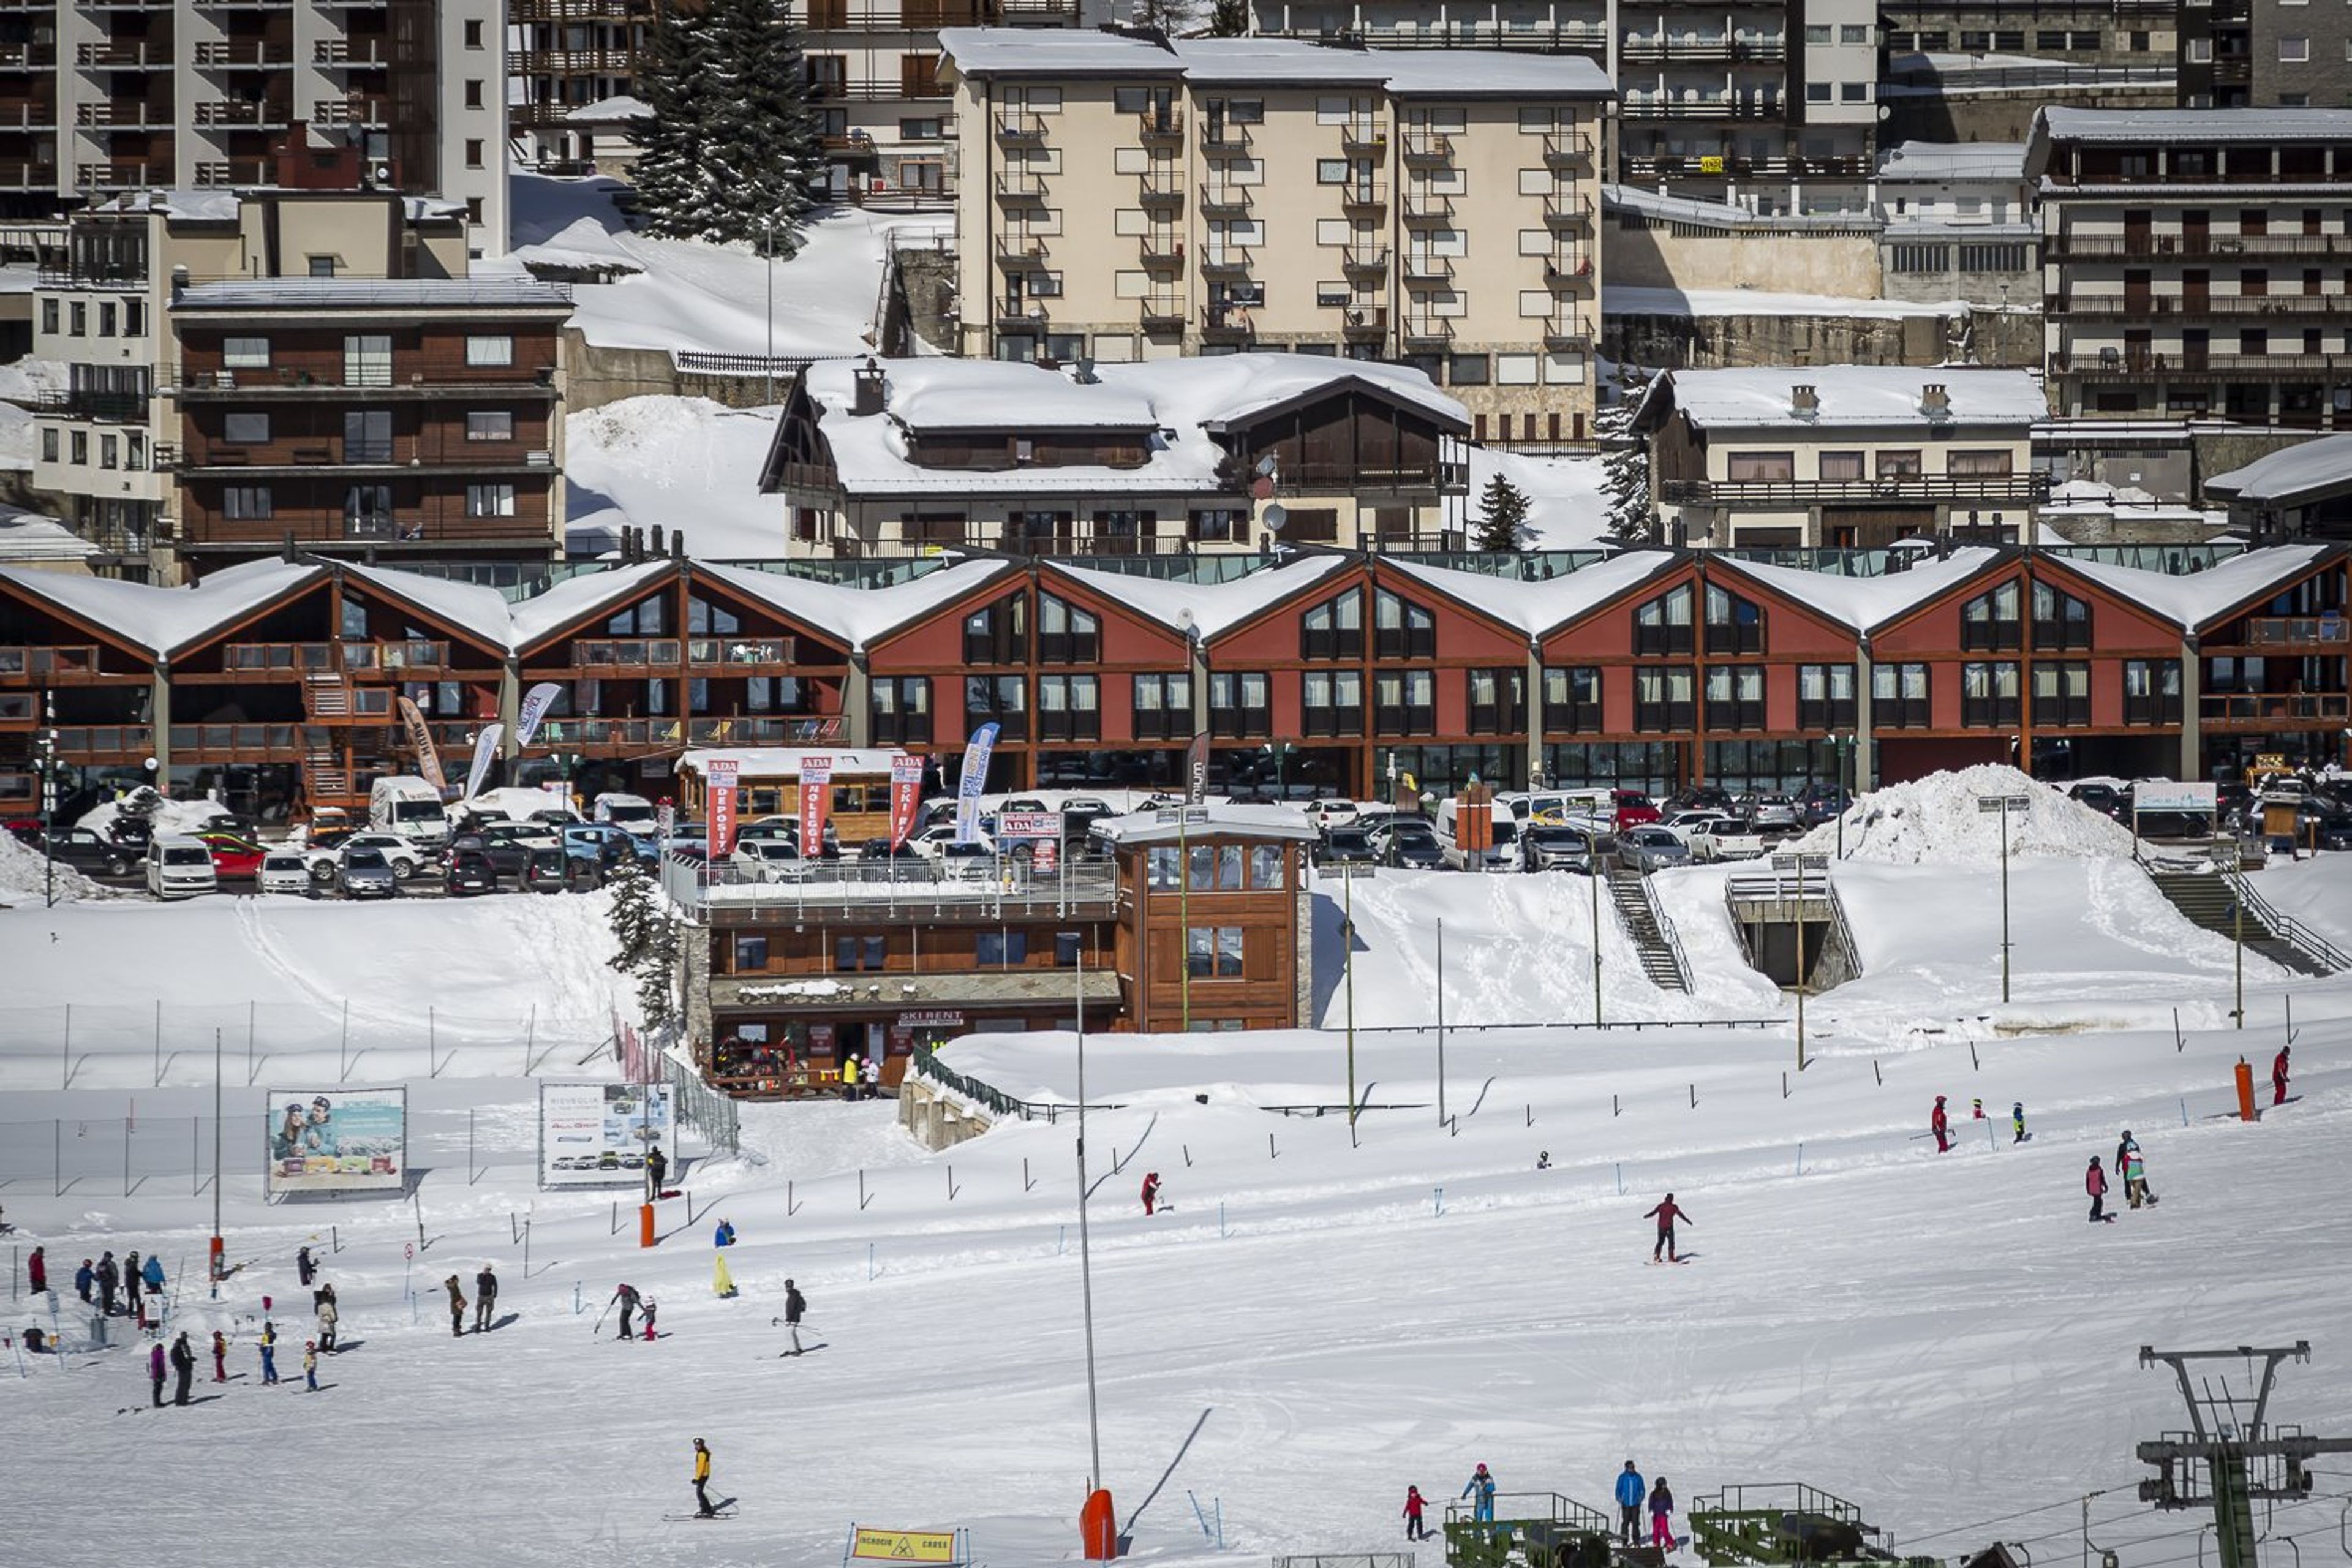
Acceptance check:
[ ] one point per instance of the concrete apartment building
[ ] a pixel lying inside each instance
(2195, 263)
(1122, 198)
(2280, 53)
(1959, 223)
(564, 58)
(111, 441)
(96, 99)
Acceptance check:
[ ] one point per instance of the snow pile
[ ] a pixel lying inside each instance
(1934, 821)
(679, 462)
(30, 536)
(24, 873)
(162, 817)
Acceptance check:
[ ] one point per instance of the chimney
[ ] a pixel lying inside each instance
(658, 547)
(1934, 401)
(1804, 401)
(677, 544)
(870, 394)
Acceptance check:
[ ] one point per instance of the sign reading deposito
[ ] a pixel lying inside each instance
(903, 1545)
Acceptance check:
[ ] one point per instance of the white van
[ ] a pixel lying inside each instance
(631, 813)
(1565, 807)
(1500, 856)
(180, 868)
(411, 807)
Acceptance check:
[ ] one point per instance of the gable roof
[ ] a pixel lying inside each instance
(860, 618)
(166, 622)
(1847, 395)
(1213, 608)
(1541, 607)
(2307, 472)
(1865, 603)
(2194, 601)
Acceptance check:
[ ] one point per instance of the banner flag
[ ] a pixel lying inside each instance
(906, 797)
(719, 801)
(535, 704)
(817, 794)
(973, 781)
(420, 740)
(486, 751)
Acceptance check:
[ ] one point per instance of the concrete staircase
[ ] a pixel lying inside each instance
(1653, 933)
(2214, 899)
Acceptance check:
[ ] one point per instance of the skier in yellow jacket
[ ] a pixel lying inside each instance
(702, 1478)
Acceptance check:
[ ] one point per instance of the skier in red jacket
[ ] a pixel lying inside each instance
(2278, 1077)
(1666, 1214)
(1942, 1129)
(2095, 1182)
(1150, 1193)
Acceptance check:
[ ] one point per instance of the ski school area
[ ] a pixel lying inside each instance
(1324, 1309)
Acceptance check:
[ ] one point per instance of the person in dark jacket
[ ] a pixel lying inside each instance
(457, 1308)
(486, 1298)
(110, 1280)
(37, 1271)
(130, 1283)
(1666, 1214)
(725, 1235)
(155, 1373)
(1941, 1127)
(2095, 1182)
(627, 1297)
(85, 1278)
(184, 1366)
(304, 1267)
(794, 1305)
(1630, 1490)
(1662, 1512)
(269, 1353)
(657, 1171)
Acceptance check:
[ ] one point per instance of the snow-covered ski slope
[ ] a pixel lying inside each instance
(1941, 1339)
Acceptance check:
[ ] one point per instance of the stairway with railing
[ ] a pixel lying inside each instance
(2221, 901)
(1653, 935)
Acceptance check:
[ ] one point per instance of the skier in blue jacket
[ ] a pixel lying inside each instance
(1631, 1490)
(725, 1235)
(1481, 1491)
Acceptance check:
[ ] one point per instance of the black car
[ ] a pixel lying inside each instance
(506, 858)
(2105, 799)
(878, 852)
(1414, 845)
(1346, 846)
(548, 871)
(471, 871)
(91, 855)
(2333, 832)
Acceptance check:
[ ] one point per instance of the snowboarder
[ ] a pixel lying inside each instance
(702, 1481)
(304, 1267)
(2095, 1182)
(155, 1373)
(1630, 1490)
(1662, 1510)
(84, 1277)
(327, 1317)
(2017, 1122)
(657, 1168)
(1666, 1214)
(311, 1366)
(110, 1280)
(1941, 1127)
(269, 1353)
(725, 1235)
(457, 1308)
(220, 1356)
(1150, 1193)
(1413, 1529)
(1543, 1159)
(1481, 1492)
(2133, 1168)
(486, 1298)
(2278, 1076)
(651, 1307)
(131, 1282)
(794, 1305)
(627, 1297)
(184, 1366)
(37, 1271)
(722, 1280)
(153, 1274)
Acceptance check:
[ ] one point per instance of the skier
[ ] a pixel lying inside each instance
(2134, 1171)
(1977, 1108)
(1543, 1159)
(153, 1274)
(269, 1353)
(725, 1235)
(486, 1298)
(2095, 1182)
(1662, 1510)
(1413, 1529)
(2017, 1122)
(1630, 1490)
(84, 1277)
(1941, 1128)
(311, 1366)
(220, 1356)
(304, 1267)
(657, 1168)
(130, 1287)
(184, 1366)
(794, 1305)
(457, 1308)
(1481, 1492)
(109, 1279)
(1150, 1193)
(1666, 1214)
(155, 1373)
(327, 1316)
(2278, 1076)
(722, 1280)
(37, 1271)
(627, 1297)
(702, 1481)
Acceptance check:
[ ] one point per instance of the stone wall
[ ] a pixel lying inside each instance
(1712, 342)
(1655, 255)
(926, 293)
(934, 1118)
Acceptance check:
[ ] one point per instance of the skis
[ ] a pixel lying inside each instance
(681, 1517)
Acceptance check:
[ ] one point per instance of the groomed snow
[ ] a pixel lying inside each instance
(1622, 300)
(1935, 821)
(678, 463)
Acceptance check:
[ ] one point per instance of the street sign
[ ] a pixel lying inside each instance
(1990, 803)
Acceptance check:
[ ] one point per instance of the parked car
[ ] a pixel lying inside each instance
(1409, 842)
(1346, 846)
(1772, 812)
(940, 836)
(470, 871)
(770, 860)
(88, 853)
(180, 868)
(365, 872)
(880, 852)
(233, 856)
(973, 862)
(601, 845)
(547, 872)
(1544, 848)
(1716, 836)
(1328, 812)
(1645, 849)
(284, 871)
(1636, 809)
(405, 854)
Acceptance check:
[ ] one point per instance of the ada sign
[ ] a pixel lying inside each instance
(2164, 794)
(1028, 825)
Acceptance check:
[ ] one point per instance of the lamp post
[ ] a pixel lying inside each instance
(1348, 980)
(1592, 867)
(2001, 806)
(768, 226)
(49, 760)
(1085, 1255)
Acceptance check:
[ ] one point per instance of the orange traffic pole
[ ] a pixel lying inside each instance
(646, 1222)
(2246, 1111)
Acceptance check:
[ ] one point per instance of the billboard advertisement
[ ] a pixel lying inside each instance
(718, 789)
(2165, 795)
(905, 796)
(816, 794)
(337, 1139)
(596, 1134)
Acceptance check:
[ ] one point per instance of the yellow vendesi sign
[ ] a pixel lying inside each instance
(905, 1545)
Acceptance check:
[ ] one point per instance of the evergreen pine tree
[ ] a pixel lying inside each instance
(1625, 477)
(730, 144)
(645, 938)
(1228, 18)
(1501, 516)
(1172, 17)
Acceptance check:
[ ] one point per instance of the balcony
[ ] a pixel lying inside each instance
(1224, 201)
(1568, 273)
(278, 657)
(1568, 334)
(1227, 324)
(121, 174)
(1019, 313)
(398, 660)
(1651, 49)
(1222, 138)
(76, 403)
(130, 115)
(28, 56)
(624, 656)
(138, 56)
(1423, 148)
(1160, 127)
(1363, 198)
(2118, 365)
(1226, 260)
(356, 109)
(1161, 190)
(222, 172)
(1364, 323)
(1426, 332)
(1163, 313)
(1569, 148)
(348, 52)
(2272, 710)
(2194, 246)
(1423, 269)
(1361, 262)
(1020, 127)
(1562, 38)
(573, 62)
(18, 177)
(742, 655)
(1720, 106)
(2138, 307)
(72, 664)
(235, 111)
(1566, 212)
(2298, 631)
(1019, 251)
(1012, 187)
(1422, 206)
(231, 53)
(106, 742)
(1363, 139)
(2016, 489)
(1163, 251)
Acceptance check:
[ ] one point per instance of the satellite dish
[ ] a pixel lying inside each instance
(1266, 467)
(1274, 517)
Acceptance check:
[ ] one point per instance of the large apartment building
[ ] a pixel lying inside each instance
(97, 99)
(564, 58)
(2264, 54)
(131, 431)
(1121, 197)
(2195, 263)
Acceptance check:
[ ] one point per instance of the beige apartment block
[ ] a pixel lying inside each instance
(1122, 198)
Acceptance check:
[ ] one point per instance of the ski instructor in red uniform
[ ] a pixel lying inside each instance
(1666, 1214)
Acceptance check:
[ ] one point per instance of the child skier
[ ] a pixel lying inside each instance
(651, 1307)
(2017, 1122)
(1413, 1529)
(1941, 1127)
(1666, 1214)
(311, 1366)
(457, 1308)
(702, 1481)
(1150, 1193)
(220, 1356)
(1481, 1492)
(1662, 1508)
(2133, 1168)
(2278, 1076)
(2095, 1182)
(269, 1353)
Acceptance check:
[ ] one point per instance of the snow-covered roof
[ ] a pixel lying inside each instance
(2290, 477)
(1452, 73)
(1228, 820)
(1541, 605)
(861, 616)
(2191, 126)
(942, 394)
(211, 204)
(332, 294)
(1943, 161)
(1867, 603)
(784, 761)
(165, 621)
(619, 109)
(1215, 608)
(486, 614)
(1853, 394)
(1723, 215)
(2195, 600)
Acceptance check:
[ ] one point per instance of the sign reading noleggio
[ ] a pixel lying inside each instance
(338, 1140)
(596, 1134)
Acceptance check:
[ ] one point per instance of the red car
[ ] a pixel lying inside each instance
(1634, 809)
(233, 856)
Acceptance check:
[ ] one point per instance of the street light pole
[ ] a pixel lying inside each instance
(213, 1268)
(1593, 866)
(2001, 806)
(1348, 977)
(1085, 1255)
(769, 225)
(1441, 1022)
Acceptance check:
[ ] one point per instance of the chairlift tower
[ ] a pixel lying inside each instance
(2243, 1457)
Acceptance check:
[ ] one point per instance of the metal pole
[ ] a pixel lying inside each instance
(1184, 919)
(2237, 937)
(1085, 1256)
(1845, 795)
(1800, 970)
(1348, 975)
(1592, 865)
(770, 230)
(159, 1042)
(2004, 901)
(1441, 1023)
(212, 1267)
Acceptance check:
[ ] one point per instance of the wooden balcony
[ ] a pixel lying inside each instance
(2237, 710)
(2298, 631)
(65, 665)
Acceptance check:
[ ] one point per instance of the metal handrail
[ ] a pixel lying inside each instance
(2286, 927)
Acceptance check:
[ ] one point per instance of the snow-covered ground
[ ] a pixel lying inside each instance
(677, 462)
(1565, 508)
(1619, 299)
(1321, 1319)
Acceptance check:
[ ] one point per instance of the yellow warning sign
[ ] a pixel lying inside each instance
(904, 1545)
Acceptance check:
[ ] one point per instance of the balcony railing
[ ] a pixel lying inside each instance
(2297, 631)
(1725, 107)
(70, 662)
(1019, 126)
(1422, 146)
(1224, 200)
(1014, 187)
(1163, 313)
(1651, 48)
(1363, 197)
(2195, 246)
(214, 742)
(1161, 125)
(80, 403)
(1365, 259)
(2255, 710)
(1425, 205)
(2015, 488)
(216, 53)
(124, 742)
(1421, 266)
(2115, 364)
(2136, 306)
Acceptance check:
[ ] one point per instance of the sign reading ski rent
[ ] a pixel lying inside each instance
(596, 1134)
(337, 1140)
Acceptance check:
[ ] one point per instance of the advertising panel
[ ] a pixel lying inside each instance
(719, 783)
(973, 781)
(817, 794)
(420, 740)
(2165, 795)
(337, 1139)
(596, 1134)
(906, 797)
(1016, 825)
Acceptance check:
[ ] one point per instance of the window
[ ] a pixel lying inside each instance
(2059, 619)
(902, 709)
(1003, 699)
(1467, 369)
(106, 319)
(1065, 634)
(1898, 697)
(473, 152)
(750, 953)
(1069, 707)
(1988, 694)
(367, 436)
(1000, 949)
(78, 446)
(246, 504)
(1498, 700)
(1218, 525)
(108, 452)
(1163, 708)
(1760, 467)
(367, 512)
(1069, 945)
(1817, 92)
(77, 315)
(134, 451)
(367, 360)
(473, 35)
(490, 501)
(1331, 703)
(1214, 953)
(1818, 33)
(1404, 703)
(490, 425)
(1854, 92)
(1571, 696)
(927, 129)
(850, 953)
(486, 351)
(1662, 625)
(1910, 257)
(998, 633)
(1735, 697)
(1662, 700)
(2062, 691)
(1334, 628)
(1900, 465)
(1825, 697)
(1241, 705)
(2001, 255)
(2151, 691)
(1853, 33)
(49, 317)
(1402, 629)
(1994, 464)
(245, 353)
(1214, 869)
(473, 92)
(1734, 625)
(2294, 51)
(245, 429)
(1265, 869)
(1990, 620)
(1841, 467)
(1161, 867)
(48, 443)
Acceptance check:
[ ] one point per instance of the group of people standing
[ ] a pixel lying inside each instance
(1633, 1495)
